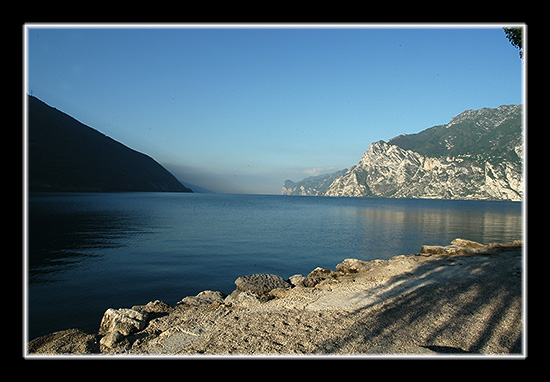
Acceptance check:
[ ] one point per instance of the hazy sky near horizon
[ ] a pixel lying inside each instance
(240, 110)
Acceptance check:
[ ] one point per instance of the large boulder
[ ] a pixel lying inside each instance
(355, 265)
(458, 247)
(114, 339)
(297, 280)
(260, 283)
(206, 297)
(126, 321)
(467, 243)
(154, 308)
(252, 289)
(317, 275)
(448, 250)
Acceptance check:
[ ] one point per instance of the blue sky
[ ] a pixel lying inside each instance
(240, 110)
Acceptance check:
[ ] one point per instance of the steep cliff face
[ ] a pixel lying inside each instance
(478, 155)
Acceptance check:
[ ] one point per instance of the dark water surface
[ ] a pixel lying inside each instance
(90, 252)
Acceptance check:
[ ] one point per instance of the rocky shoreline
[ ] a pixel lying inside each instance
(464, 298)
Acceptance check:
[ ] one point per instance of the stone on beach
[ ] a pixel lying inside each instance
(355, 265)
(205, 297)
(255, 288)
(448, 250)
(260, 283)
(466, 243)
(156, 306)
(462, 247)
(126, 321)
(114, 339)
(297, 280)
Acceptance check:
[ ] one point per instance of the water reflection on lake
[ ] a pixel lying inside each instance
(405, 225)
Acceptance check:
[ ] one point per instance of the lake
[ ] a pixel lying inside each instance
(88, 252)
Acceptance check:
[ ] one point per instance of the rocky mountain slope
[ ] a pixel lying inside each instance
(313, 185)
(66, 155)
(477, 155)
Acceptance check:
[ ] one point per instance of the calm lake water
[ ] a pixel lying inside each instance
(90, 252)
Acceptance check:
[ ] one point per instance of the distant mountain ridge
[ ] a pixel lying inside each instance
(313, 185)
(477, 155)
(65, 155)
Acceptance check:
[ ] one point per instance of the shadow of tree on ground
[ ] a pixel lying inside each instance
(466, 304)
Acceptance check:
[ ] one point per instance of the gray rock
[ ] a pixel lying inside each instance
(297, 280)
(260, 283)
(153, 307)
(448, 250)
(351, 266)
(319, 274)
(211, 296)
(322, 273)
(355, 265)
(310, 282)
(467, 243)
(126, 321)
(205, 297)
(242, 297)
(114, 339)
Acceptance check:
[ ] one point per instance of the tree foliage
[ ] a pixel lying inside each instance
(515, 36)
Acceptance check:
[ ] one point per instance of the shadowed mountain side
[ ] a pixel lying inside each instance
(66, 155)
